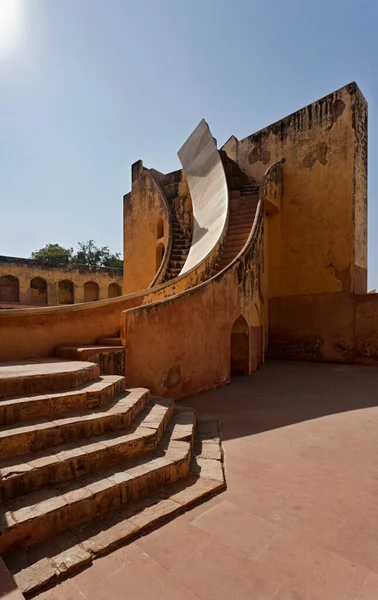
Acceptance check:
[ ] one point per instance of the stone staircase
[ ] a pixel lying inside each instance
(182, 227)
(108, 353)
(243, 206)
(87, 464)
(180, 248)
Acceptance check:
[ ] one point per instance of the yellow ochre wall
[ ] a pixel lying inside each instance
(26, 269)
(318, 237)
(143, 207)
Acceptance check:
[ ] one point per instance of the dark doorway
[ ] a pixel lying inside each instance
(240, 351)
(65, 292)
(9, 289)
(38, 291)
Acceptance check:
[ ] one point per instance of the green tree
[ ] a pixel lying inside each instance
(90, 254)
(114, 260)
(53, 254)
(87, 254)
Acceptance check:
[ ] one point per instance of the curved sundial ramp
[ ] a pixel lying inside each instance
(206, 178)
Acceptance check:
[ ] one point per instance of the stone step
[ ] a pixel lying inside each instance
(175, 264)
(241, 220)
(109, 341)
(230, 255)
(237, 236)
(50, 561)
(249, 211)
(179, 238)
(228, 251)
(239, 227)
(170, 276)
(174, 270)
(250, 194)
(234, 246)
(28, 473)
(41, 515)
(177, 257)
(182, 239)
(33, 436)
(88, 396)
(111, 359)
(243, 211)
(250, 186)
(47, 375)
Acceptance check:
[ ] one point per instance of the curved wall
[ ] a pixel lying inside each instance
(144, 207)
(206, 178)
(192, 330)
(79, 324)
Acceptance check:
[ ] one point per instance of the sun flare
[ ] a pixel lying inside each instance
(11, 25)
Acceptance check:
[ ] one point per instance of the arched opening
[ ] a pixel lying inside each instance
(9, 289)
(160, 229)
(91, 291)
(240, 347)
(66, 292)
(114, 290)
(159, 255)
(38, 291)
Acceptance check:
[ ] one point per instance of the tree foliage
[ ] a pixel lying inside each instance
(53, 254)
(88, 253)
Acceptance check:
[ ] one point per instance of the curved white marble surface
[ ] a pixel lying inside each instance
(206, 178)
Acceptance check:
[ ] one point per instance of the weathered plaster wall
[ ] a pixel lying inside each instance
(331, 327)
(317, 240)
(360, 124)
(27, 270)
(183, 345)
(312, 327)
(34, 332)
(366, 328)
(144, 207)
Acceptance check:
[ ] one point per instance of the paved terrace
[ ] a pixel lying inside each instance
(299, 520)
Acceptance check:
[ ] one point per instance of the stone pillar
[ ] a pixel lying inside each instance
(24, 290)
(52, 293)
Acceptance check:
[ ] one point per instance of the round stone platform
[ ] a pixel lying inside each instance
(38, 376)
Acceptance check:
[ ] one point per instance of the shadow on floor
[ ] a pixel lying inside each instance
(283, 393)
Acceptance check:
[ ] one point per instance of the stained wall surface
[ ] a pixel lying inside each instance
(366, 328)
(312, 327)
(32, 283)
(144, 210)
(182, 345)
(337, 327)
(317, 240)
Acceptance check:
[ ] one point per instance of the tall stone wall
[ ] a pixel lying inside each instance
(336, 327)
(317, 240)
(145, 230)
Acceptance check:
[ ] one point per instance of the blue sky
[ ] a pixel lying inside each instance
(87, 87)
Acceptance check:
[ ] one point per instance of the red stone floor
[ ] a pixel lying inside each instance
(299, 520)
